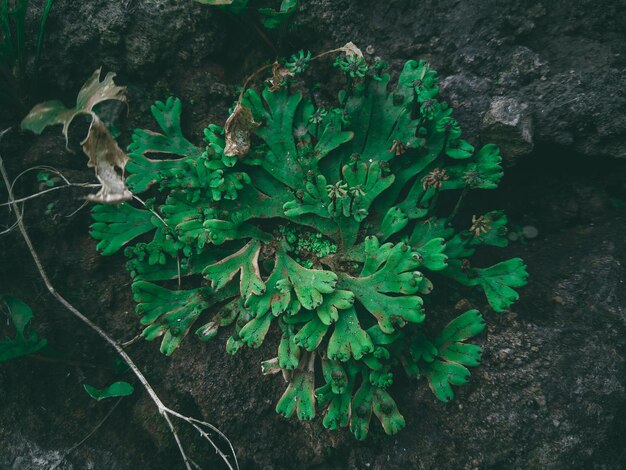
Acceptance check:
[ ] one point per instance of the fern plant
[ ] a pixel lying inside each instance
(321, 223)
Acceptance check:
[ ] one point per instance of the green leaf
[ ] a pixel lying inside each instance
(277, 297)
(335, 376)
(461, 328)
(442, 375)
(432, 255)
(115, 226)
(116, 389)
(369, 398)
(387, 412)
(421, 348)
(484, 171)
(328, 311)
(461, 150)
(452, 354)
(168, 313)
(310, 285)
(362, 411)
(370, 180)
(337, 413)
(395, 220)
(298, 397)
(379, 118)
(288, 350)
(42, 29)
(26, 341)
(311, 334)
(397, 276)
(143, 171)
(244, 261)
(332, 136)
(428, 229)
(219, 231)
(253, 333)
(349, 339)
(278, 123)
(274, 19)
(314, 200)
(497, 281)
(229, 313)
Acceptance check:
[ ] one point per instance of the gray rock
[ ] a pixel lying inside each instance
(508, 124)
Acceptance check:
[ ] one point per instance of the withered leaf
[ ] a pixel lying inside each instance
(238, 128)
(351, 50)
(99, 145)
(94, 91)
(279, 74)
(104, 155)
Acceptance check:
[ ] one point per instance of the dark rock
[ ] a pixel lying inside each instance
(508, 124)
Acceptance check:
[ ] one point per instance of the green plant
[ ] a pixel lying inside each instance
(46, 180)
(338, 273)
(13, 49)
(26, 341)
(321, 223)
(116, 389)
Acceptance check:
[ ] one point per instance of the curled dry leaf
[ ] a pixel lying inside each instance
(279, 74)
(99, 145)
(238, 128)
(351, 50)
(104, 155)
(54, 112)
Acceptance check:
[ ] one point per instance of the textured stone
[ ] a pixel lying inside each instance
(508, 124)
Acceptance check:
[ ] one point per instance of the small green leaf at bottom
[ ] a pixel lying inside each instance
(116, 389)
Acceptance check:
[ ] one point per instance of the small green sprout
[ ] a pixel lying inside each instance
(46, 180)
(50, 207)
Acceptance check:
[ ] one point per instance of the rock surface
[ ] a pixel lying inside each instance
(551, 392)
(509, 123)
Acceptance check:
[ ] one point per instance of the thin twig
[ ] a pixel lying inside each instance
(132, 341)
(9, 230)
(164, 411)
(84, 439)
(45, 191)
(267, 66)
(458, 203)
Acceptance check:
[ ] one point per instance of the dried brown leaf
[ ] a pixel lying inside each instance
(279, 74)
(105, 155)
(99, 145)
(95, 91)
(351, 50)
(92, 92)
(238, 128)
